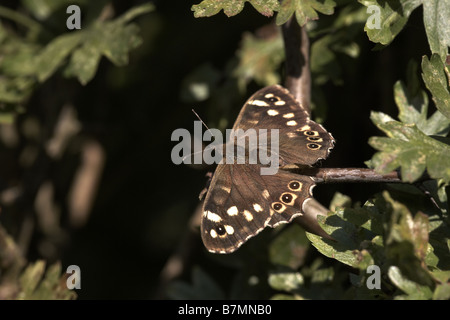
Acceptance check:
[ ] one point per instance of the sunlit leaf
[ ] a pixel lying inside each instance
(436, 15)
(304, 10)
(393, 16)
(208, 8)
(410, 149)
(285, 281)
(435, 75)
(259, 60)
(412, 289)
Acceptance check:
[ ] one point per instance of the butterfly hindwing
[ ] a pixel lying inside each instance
(241, 203)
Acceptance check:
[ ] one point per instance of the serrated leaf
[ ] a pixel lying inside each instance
(112, 39)
(208, 8)
(413, 109)
(42, 9)
(35, 286)
(31, 278)
(409, 148)
(54, 54)
(435, 76)
(259, 60)
(393, 16)
(304, 10)
(108, 39)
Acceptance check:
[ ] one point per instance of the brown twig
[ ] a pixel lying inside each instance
(298, 76)
(350, 175)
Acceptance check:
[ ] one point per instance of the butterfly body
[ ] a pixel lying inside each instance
(241, 201)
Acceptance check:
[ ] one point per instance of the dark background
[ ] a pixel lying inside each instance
(144, 202)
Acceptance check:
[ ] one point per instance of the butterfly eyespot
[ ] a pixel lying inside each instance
(313, 146)
(294, 185)
(278, 207)
(311, 133)
(286, 197)
(314, 139)
(220, 230)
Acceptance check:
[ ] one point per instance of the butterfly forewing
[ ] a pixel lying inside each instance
(241, 202)
(301, 140)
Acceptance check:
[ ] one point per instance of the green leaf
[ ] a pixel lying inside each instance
(208, 8)
(35, 286)
(393, 16)
(349, 227)
(43, 9)
(112, 39)
(413, 109)
(259, 60)
(413, 290)
(53, 55)
(409, 148)
(442, 292)
(203, 287)
(436, 78)
(289, 248)
(436, 15)
(304, 10)
(287, 281)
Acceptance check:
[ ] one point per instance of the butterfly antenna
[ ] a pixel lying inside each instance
(201, 120)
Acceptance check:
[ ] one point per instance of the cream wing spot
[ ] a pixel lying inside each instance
(259, 103)
(257, 207)
(266, 194)
(213, 233)
(288, 115)
(280, 103)
(272, 112)
(232, 211)
(229, 229)
(305, 128)
(291, 123)
(211, 216)
(248, 215)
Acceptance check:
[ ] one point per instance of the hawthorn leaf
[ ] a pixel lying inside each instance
(436, 78)
(304, 10)
(259, 60)
(208, 8)
(410, 149)
(393, 16)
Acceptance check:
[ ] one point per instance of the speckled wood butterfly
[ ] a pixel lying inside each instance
(240, 202)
